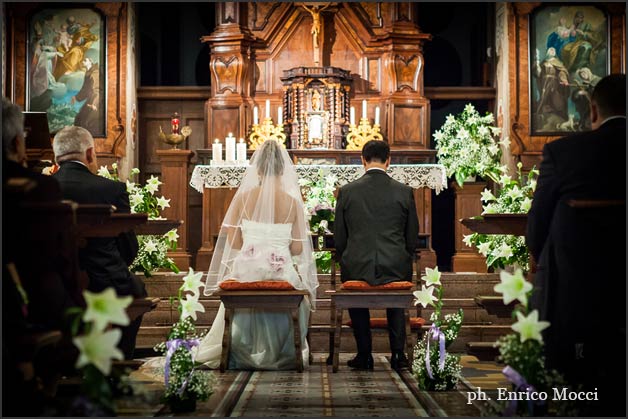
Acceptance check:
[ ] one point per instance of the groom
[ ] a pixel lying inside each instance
(376, 230)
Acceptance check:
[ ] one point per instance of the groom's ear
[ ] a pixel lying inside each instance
(363, 161)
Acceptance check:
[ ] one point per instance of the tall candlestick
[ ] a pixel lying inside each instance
(279, 115)
(364, 108)
(352, 116)
(230, 149)
(255, 116)
(217, 151)
(377, 115)
(241, 151)
(267, 108)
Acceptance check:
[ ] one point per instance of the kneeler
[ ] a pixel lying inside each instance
(260, 295)
(359, 294)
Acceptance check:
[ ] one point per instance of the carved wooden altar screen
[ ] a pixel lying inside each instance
(315, 60)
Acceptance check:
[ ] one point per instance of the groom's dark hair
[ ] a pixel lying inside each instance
(376, 150)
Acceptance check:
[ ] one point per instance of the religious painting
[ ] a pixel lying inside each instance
(66, 68)
(569, 54)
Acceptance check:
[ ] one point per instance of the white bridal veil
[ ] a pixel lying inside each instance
(266, 213)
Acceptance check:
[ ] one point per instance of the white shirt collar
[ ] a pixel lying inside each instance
(76, 161)
(611, 118)
(376, 168)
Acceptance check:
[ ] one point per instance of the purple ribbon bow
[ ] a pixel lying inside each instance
(172, 346)
(519, 382)
(436, 334)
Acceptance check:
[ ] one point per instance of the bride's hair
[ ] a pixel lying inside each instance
(270, 162)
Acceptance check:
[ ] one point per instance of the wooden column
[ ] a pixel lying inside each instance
(468, 204)
(174, 175)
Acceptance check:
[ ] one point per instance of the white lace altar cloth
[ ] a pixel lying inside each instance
(415, 175)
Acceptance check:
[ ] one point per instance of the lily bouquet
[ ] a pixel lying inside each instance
(466, 145)
(97, 347)
(522, 351)
(513, 197)
(433, 366)
(185, 384)
(320, 210)
(152, 253)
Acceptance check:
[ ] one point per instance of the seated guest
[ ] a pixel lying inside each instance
(106, 260)
(580, 282)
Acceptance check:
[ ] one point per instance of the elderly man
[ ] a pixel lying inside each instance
(106, 260)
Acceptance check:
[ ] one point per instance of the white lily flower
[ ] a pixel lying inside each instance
(504, 251)
(469, 108)
(190, 306)
(466, 239)
(192, 282)
(172, 235)
(483, 248)
(526, 204)
(104, 172)
(514, 193)
(163, 203)
(130, 186)
(493, 149)
(98, 348)
(150, 246)
(504, 180)
(424, 297)
(505, 142)
(489, 209)
(432, 276)
(106, 307)
(529, 327)
(487, 196)
(135, 199)
(533, 184)
(513, 287)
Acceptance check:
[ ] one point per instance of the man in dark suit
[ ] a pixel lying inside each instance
(375, 233)
(580, 281)
(106, 260)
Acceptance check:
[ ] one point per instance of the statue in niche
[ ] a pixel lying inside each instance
(316, 122)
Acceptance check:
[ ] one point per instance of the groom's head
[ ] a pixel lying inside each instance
(376, 153)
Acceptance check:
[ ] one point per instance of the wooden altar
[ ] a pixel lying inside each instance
(218, 191)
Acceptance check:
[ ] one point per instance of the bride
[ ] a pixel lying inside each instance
(264, 236)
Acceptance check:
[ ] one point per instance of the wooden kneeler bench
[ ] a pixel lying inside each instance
(259, 297)
(378, 297)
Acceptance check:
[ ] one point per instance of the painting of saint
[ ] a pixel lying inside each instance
(66, 71)
(570, 47)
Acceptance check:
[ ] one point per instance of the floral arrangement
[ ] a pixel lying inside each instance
(184, 383)
(152, 253)
(466, 145)
(97, 348)
(513, 197)
(320, 207)
(433, 366)
(522, 351)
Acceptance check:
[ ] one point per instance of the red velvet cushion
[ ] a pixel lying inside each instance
(234, 285)
(381, 322)
(364, 286)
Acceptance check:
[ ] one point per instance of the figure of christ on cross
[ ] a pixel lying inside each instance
(315, 10)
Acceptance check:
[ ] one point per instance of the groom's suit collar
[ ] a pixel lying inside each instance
(376, 171)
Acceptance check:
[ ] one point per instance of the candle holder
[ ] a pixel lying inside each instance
(175, 139)
(358, 136)
(266, 131)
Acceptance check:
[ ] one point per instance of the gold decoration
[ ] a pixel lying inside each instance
(266, 131)
(175, 139)
(360, 135)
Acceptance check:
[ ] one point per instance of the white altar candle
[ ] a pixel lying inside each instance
(230, 148)
(217, 151)
(377, 115)
(279, 115)
(352, 116)
(241, 151)
(364, 108)
(267, 108)
(255, 116)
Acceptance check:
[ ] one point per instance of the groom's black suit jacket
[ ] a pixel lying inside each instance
(106, 260)
(376, 229)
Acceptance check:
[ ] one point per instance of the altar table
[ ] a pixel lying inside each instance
(218, 184)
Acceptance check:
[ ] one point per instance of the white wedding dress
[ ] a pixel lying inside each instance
(260, 339)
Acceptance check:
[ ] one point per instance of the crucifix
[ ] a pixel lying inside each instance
(315, 10)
